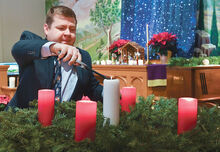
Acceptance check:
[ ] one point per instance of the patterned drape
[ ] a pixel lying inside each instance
(174, 16)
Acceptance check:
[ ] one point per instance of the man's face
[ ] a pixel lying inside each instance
(62, 30)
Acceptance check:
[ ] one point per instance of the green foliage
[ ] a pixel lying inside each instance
(2, 106)
(106, 13)
(214, 29)
(201, 25)
(102, 43)
(151, 126)
(50, 3)
(100, 48)
(179, 61)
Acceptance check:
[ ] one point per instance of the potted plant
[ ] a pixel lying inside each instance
(163, 44)
(4, 100)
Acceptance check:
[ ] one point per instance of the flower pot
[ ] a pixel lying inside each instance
(165, 58)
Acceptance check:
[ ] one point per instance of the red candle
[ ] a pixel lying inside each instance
(85, 98)
(85, 123)
(46, 106)
(128, 98)
(187, 114)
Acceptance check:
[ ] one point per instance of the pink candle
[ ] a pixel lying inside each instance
(85, 123)
(46, 106)
(187, 114)
(128, 98)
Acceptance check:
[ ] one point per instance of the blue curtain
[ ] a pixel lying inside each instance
(174, 16)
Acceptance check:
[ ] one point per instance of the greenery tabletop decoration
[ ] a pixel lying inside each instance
(151, 126)
(194, 61)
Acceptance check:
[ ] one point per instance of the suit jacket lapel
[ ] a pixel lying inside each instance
(44, 71)
(50, 70)
(79, 74)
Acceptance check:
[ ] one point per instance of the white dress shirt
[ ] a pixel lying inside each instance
(68, 74)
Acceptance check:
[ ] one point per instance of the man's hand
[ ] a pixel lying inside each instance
(66, 52)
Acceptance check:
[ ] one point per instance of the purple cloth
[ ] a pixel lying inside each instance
(156, 71)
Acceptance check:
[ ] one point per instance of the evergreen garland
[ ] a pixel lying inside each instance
(194, 61)
(151, 126)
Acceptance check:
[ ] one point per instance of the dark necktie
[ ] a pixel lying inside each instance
(57, 81)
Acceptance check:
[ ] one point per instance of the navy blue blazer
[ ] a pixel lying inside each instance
(36, 73)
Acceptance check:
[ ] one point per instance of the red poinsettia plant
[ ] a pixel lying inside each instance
(162, 42)
(4, 100)
(116, 45)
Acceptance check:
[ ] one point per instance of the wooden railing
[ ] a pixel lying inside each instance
(199, 82)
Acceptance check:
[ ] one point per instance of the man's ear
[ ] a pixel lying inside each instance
(46, 29)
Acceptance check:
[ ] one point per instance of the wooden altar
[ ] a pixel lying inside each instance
(130, 75)
(200, 82)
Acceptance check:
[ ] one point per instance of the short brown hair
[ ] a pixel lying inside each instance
(59, 10)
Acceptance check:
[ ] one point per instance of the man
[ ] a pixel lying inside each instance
(36, 59)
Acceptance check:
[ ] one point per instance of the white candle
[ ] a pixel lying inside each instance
(130, 62)
(140, 62)
(103, 62)
(111, 100)
(147, 34)
(97, 62)
(108, 62)
(11, 82)
(134, 62)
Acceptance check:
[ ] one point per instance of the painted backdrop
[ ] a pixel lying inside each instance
(174, 16)
(101, 22)
(209, 23)
(98, 24)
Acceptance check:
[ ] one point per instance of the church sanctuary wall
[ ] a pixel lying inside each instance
(15, 17)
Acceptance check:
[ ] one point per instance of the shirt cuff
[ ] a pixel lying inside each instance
(45, 50)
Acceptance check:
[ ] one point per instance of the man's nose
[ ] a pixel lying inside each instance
(67, 32)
